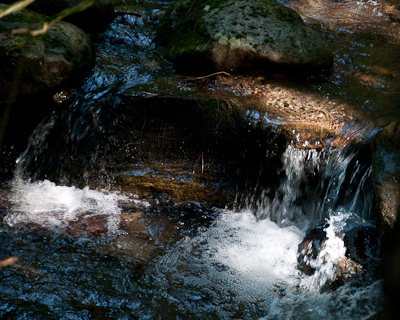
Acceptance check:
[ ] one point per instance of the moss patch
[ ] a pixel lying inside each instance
(183, 26)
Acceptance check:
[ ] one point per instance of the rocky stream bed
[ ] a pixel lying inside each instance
(147, 193)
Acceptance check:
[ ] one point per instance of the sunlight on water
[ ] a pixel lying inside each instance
(261, 252)
(247, 264)
(52, 206)
(258, 250)
(249, 269)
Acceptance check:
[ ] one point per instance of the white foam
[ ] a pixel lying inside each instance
(262, 253)
(53, 206)
(258, 250)
(327, 261)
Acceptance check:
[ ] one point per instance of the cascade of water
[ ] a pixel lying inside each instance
(345, 183)
(49, 187)
(314, 184)
(286, 206)
(335, 175)
(69, 143)
(253, 252)
(37, 144)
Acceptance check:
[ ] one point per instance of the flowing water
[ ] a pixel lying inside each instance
(243, 264)
(89, 248)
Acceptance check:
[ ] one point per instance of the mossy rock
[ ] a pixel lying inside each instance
(240, 36)
(32, 64)
(386, 173)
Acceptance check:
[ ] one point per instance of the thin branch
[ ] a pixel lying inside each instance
(202, 163)
(8, 262)
(209, 75)
(122, 13)
(16, 6)
(59, 16)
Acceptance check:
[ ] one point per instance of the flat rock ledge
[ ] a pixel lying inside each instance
(32, 64)
(240, 36)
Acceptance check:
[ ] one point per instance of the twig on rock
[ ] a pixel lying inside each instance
(209, 75)
(122, 13)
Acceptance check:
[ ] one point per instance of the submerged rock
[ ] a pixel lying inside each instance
(31, 64)
(240, 36)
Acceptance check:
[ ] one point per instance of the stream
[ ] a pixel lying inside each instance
(126, 204)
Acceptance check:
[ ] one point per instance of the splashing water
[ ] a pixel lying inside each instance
(327, 261)
(46, 204)
(243, 266)
(246, 268)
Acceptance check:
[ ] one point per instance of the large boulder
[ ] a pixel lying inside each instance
(240, 36)
(31, 64)
(386, 173)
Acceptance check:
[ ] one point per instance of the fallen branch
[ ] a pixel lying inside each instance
(209, 75)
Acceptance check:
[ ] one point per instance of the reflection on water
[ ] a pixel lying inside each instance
(125, 56)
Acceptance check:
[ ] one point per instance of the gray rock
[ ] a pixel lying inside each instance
(240, 36)
(31, 64)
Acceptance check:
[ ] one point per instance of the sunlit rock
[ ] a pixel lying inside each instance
(240, 36)
(32, 64)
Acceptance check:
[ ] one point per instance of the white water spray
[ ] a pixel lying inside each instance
(327, 261)
(51, 206)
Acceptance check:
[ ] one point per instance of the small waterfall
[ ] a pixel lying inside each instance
(68, 144)
(346, 182)
(50, 187)
(252, 253)
(330, 189)
(245, 265)
(313, 185)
